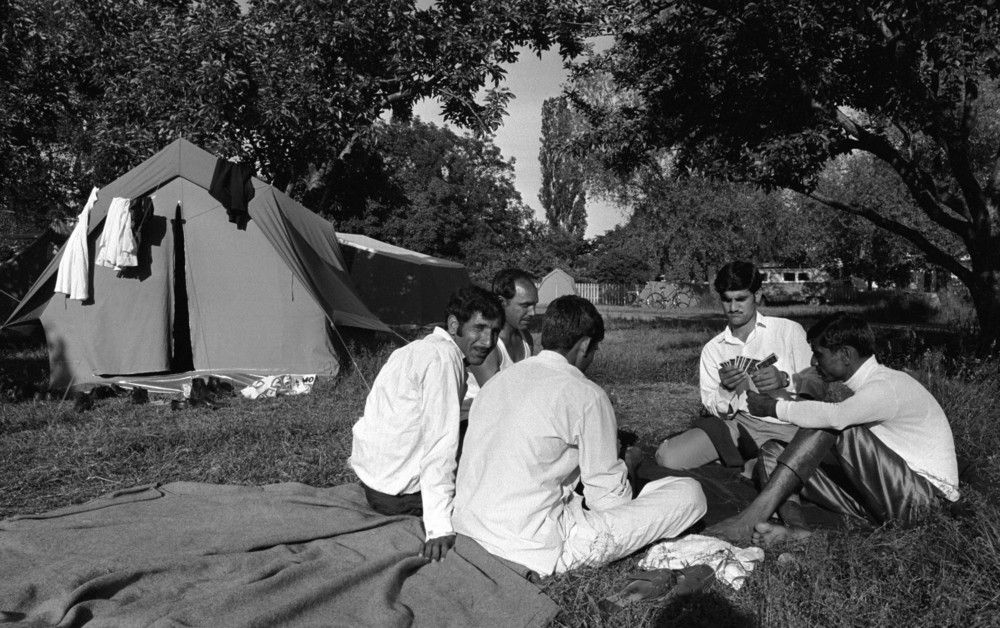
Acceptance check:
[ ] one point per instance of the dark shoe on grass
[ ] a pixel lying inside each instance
(139, 396)
(82, 402)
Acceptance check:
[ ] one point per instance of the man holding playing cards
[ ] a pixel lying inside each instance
(754, 352)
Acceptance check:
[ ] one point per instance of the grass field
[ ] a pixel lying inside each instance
(943, 572)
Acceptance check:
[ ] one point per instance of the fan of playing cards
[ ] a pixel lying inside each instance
(750, 366)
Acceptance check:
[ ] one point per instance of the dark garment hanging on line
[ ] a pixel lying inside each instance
(139, 210)
(232, 186)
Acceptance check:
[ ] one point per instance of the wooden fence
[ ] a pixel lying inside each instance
(608, 293)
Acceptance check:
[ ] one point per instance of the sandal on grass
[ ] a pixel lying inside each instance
(658, 584)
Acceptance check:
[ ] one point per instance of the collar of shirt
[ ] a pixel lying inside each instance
(856, 381)
(557, 359)
(438, 331)
(729, 338)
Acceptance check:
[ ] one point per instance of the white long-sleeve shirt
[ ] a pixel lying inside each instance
(116, 246)
(407, 439)
(784, 338)
(535, 431)
(899, 411)
(72, 274)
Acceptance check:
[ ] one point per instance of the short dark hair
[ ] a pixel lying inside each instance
(464, 304)
(841, 329)
(736, 276)
(568, 319)
(505, 281)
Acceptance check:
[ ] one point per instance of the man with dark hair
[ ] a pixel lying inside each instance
(516, 291)
(884, 453)
(731, 433)
(539, 429)
(405, 445)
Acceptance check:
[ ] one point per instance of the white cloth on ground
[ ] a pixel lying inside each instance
(407, 439)
(72, 276)
(535, 431)
(279, 386)
(732, 564)
(116, 248)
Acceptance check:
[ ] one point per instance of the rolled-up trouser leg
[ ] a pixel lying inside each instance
(808, 456)
(806, 451)
(887, 487)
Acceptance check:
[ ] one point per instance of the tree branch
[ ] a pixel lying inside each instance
(961, 165)
(919, 183)
(933, 253)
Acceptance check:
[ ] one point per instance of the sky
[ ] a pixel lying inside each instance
(531, 79)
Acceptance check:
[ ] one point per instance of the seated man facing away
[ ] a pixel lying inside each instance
(893, 456)
(732, 434)
(405, 446)
(540, 428)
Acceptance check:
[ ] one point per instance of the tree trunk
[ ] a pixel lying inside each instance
(986, 299)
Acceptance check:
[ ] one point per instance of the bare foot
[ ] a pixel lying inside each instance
(737, 530)
(768, 534)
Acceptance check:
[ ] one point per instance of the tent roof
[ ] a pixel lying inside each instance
(304, 240)
(372, 245)
(555, 272)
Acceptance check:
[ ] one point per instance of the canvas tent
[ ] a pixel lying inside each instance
(206, 296)
(556, 284)
(401, 286)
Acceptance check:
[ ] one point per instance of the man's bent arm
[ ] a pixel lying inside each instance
(870, 404)
(439, 444)
(714, 397)
(604, 475)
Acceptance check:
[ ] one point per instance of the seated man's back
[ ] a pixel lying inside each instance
(521, 462)
(536, 431)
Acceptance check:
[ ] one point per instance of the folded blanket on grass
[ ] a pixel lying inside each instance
(189, 554)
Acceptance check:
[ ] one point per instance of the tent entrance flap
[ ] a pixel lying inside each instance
(181, 357)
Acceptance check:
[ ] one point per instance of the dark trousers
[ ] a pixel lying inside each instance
(385, 504)
(852, 473)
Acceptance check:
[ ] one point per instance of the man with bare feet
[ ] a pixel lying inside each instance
(762, 353)
(886, 453)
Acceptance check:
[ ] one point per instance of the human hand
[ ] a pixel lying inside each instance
(769, 378)
(732, 378)
(436, 548)
(761, 405)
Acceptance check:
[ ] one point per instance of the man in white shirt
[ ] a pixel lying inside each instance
(405, 445)
(538, 430)
(731, 433)
(884, 453)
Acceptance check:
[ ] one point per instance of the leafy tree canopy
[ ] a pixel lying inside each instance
(564, 191)
(91, 88)
(769, 92)
(431, 190)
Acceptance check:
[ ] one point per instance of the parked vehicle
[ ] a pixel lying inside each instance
(795, 285)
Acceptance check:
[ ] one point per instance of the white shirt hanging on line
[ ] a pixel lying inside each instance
(116, 248)
(71, 278)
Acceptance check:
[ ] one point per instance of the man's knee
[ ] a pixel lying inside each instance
(771, 449)
(688, 491)
(695, 495)
(663, 454)
(687, 450)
